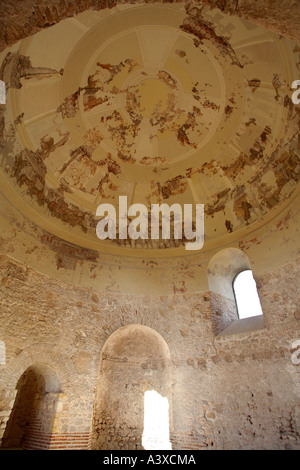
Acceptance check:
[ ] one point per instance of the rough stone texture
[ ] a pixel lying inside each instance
(46, 320)
(25, 17)
(63, 307)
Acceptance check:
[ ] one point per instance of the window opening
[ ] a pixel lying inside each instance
(247, 300)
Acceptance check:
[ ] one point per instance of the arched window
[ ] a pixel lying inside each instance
(225, 281)
(246, 296)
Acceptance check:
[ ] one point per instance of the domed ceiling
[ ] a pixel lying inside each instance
(156, 103)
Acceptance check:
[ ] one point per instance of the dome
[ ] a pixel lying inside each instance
(158, 103)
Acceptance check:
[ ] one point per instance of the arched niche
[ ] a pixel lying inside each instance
(223, 268)
(133, 405)
(34, 408)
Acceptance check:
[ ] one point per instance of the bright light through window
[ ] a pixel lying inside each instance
(156, 422)
(246, 295)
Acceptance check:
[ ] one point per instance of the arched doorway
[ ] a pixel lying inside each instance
(33, 410)
(133, 405)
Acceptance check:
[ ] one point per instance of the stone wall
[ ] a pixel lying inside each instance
(228, 391)
(61, 304)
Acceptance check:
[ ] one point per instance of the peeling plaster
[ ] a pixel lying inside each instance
(260, 177)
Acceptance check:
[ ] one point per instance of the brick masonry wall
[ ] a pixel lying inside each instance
(37, 439)
(228, 392)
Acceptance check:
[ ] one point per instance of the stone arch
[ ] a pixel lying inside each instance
(134, 367)
(34, 409)
(48, 360)
(37, 353)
